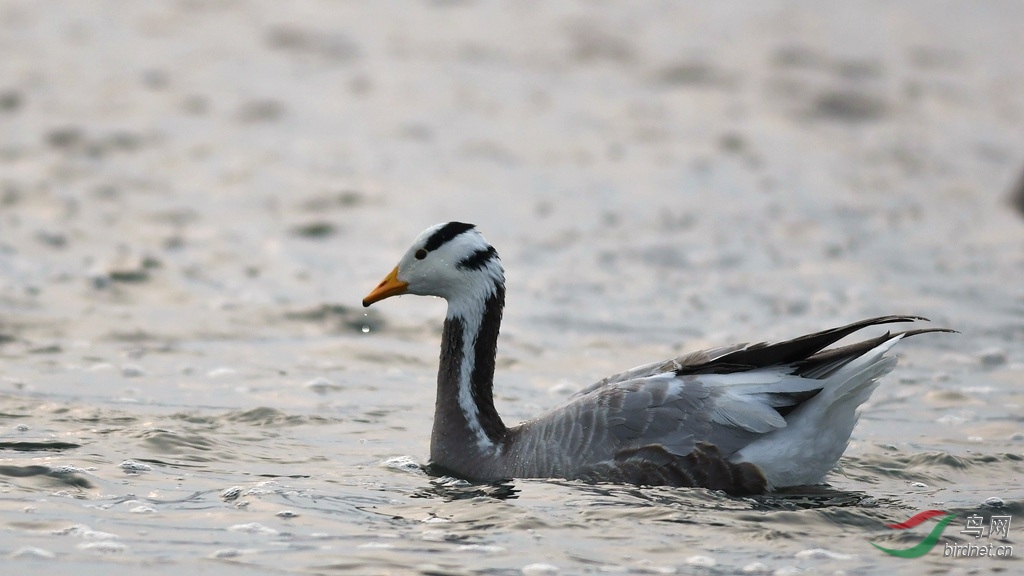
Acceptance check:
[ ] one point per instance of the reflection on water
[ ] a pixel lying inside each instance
(448, 488)
(810, 497)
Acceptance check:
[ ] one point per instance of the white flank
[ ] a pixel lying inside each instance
(817, 433)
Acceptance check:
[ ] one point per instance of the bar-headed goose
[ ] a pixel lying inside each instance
(744, 419)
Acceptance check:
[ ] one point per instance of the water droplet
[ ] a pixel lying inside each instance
(365, 329)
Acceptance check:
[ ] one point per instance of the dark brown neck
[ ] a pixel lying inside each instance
(465, 420)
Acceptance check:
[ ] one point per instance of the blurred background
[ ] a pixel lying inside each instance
(181, 154)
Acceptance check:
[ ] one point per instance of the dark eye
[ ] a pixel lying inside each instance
(421, 254)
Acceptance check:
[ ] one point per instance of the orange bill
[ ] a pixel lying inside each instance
(389, 286)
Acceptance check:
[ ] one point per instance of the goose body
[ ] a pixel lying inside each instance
(743, 419)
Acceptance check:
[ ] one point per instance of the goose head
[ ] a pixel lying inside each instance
(450, 260)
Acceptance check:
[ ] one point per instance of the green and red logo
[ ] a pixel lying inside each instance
(997, 533)
(929, 541)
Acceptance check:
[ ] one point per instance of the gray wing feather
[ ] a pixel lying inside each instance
(673, 412)
(657, 429)
(663, 366)
(747, 413)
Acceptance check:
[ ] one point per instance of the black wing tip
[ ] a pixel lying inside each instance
(803, 348)
(909, 333)
(906, 318)
(893, 318)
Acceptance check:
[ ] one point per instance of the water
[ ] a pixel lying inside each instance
(194, 197)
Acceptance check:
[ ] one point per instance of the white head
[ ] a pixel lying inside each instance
(450, 260)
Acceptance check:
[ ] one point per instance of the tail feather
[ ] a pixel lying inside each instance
(818, 431)
(825, 363)
(790, 352)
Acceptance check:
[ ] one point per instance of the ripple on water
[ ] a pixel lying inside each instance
(822, 554)
(103, 547)
(84, 532)
(994, 502)
(929, 469)
(265, 416)
(186, 446)
(133, 466)
(701, 561)
(253, 528)
(452, 489)
(226, 553)
(405, 464)
(231, 493)
(538, 568)
(62, 475)
(322, 386)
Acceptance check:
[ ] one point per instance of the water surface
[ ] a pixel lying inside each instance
(194, 197)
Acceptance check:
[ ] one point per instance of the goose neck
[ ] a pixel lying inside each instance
(465, 417)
